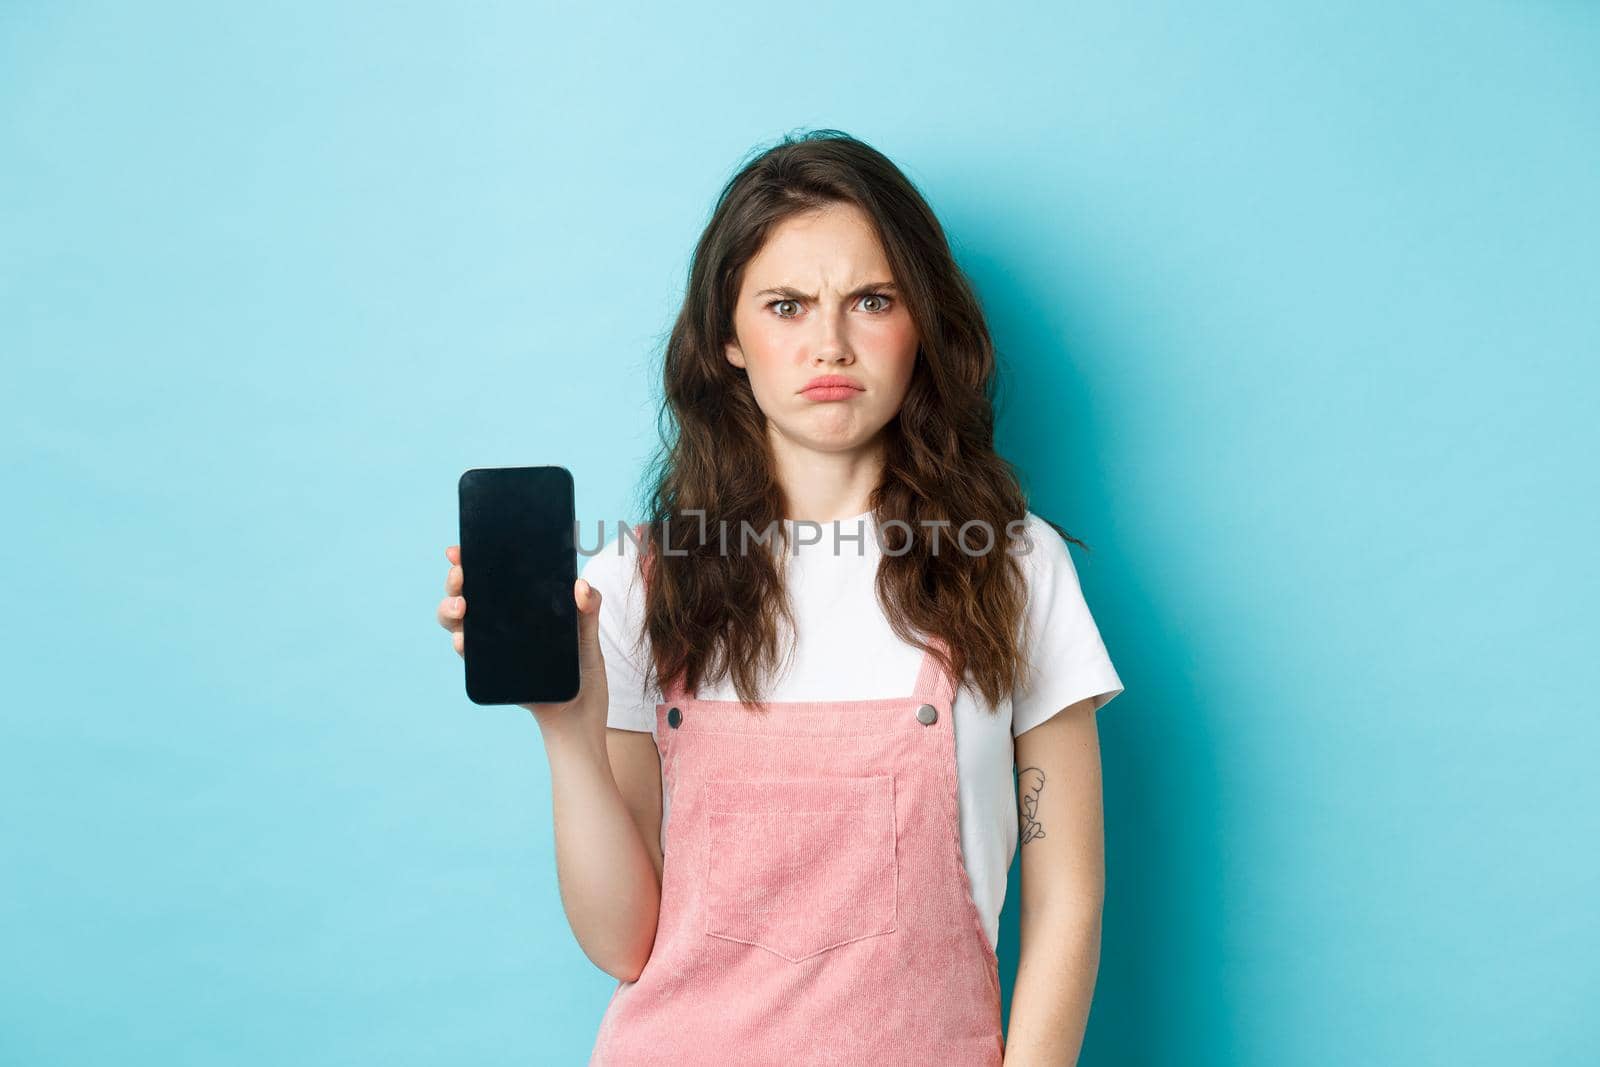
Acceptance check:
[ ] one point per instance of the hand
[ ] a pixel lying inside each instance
(587, 710)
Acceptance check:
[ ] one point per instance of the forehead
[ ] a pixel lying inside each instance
(836, 243)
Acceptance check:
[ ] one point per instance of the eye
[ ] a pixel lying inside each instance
(885, 301)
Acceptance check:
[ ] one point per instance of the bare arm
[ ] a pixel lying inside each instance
(636, 766)
(1063, 887)
(605, 799)
(608, 876)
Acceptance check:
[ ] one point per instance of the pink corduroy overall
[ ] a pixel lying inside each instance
(815, 908)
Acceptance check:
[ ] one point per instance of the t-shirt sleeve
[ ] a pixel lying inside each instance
(621, 622)
(1068, 661)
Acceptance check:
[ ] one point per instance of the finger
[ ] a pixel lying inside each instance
(459, 639)
(452, 581)
(451, 611)
(453, 554)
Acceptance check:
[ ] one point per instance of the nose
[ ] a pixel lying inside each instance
(832, 348)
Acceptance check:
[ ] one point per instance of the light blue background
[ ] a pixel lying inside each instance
(1297, 309)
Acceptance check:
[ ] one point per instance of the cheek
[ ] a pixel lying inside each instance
(896, 335)
(762, 363)
(900, 352)
(765, 332)
(766, 347)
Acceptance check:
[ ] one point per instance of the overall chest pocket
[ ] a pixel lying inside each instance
(798, 866)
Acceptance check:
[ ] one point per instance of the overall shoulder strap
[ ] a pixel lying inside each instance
(934, 683)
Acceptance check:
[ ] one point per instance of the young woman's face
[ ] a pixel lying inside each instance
(818, 301)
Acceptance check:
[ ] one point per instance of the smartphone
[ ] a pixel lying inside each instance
(518, 564)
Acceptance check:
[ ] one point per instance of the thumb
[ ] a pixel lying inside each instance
(590, 661)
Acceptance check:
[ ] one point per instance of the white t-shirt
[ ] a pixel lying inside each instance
(846, 651)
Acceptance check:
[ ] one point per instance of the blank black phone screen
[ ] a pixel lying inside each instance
(518, 565)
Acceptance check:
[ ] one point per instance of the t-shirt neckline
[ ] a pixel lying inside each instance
(849, 519)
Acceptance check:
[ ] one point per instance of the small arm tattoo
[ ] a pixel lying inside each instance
(1029, 782)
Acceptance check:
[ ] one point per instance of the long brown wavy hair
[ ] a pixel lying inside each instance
(709, 611)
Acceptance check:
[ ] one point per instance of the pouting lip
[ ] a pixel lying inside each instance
(832, 380)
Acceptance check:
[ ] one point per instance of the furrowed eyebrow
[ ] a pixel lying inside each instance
(790, 293)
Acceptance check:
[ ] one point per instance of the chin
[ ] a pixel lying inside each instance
(845, 440)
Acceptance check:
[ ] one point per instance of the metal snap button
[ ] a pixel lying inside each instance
(927, 714)
(674, 717)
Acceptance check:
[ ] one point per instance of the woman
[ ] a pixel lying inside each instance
(780, 823)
